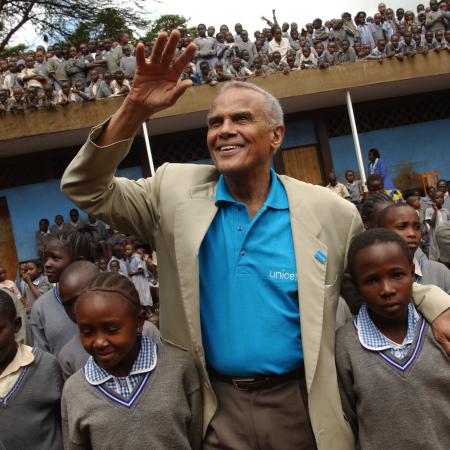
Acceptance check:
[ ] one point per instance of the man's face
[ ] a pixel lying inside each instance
(239, 140)
(277, 35)
(350, 176)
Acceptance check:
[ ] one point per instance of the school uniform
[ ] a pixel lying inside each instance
(140, 281)
(157, 406)
(30, 391)
(57, 230)
(76, 69)
(348, 56)
(283, 47)
(51, 326)
(431, 272)
(42, 239)
(122, 265)
(442, 217)
(128, 66)
(354, 189)
(390, 397)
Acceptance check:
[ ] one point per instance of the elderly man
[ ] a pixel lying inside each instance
(250, 263)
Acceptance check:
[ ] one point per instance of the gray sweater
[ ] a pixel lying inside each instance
(391, 408)
(167, 414)
(50, 324)
(29, 414)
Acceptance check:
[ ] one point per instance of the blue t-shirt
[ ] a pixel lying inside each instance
(249, 303)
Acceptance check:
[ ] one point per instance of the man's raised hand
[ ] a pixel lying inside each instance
(157, 84)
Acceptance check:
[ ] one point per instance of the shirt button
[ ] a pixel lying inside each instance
(243, 252)
(240, 227)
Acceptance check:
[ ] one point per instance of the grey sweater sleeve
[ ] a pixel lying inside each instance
(37, 328)
(345, 376)
(196, 425)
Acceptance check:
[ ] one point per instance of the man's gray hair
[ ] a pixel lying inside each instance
(274, 112)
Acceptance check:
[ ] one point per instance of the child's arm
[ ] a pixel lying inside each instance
(33, 288)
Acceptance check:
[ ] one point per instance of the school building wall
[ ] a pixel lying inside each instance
(30, 203)
(408, 150)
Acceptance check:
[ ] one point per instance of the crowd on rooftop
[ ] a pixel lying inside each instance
(62, 73)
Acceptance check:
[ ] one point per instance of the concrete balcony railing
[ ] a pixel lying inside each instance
(297, 91)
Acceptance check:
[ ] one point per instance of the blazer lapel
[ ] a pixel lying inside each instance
(311, 259)
(193, 217)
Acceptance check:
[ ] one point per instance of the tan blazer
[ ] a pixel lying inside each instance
(174, 209)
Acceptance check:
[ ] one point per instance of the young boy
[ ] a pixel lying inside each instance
(404, 221)
(354, 188)
(393, 376)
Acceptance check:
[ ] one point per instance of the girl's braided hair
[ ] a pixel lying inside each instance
(110, 282)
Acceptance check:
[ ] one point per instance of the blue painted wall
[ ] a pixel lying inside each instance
(418, 148)
(28, 204)
(299, 133)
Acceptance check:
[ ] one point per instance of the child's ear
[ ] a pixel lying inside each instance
(17, 324)
(142, 316)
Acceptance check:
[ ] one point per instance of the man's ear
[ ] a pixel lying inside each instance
(278, 135)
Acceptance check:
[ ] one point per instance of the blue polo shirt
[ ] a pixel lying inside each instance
(248, 287)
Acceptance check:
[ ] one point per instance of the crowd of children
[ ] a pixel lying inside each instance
(63, 74)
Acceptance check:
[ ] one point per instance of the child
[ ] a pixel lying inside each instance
(50, 325)
(120, 86)
(371, 208)
(136, 271)
(117, 255)
(436, 216)
(277, 65)
(306, 59)
(36, 283)
(43, 235)
(103, 264)
(393, 376)
(404, 221)
(24, 334)
(30, 389)
(354, 188)
(57, 230)
(130, 394)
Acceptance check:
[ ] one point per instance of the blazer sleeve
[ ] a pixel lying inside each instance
(129, 206)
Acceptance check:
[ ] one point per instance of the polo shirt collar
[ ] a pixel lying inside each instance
(277, 198)
(145, 362)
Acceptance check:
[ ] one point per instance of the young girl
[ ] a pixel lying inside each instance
(130, 394)
(30, 389)
(36, 283)
(50, 325)
(136, 272)
(393, 375)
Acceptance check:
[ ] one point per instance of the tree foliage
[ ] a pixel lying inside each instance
(61, 18)
(169, 22)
